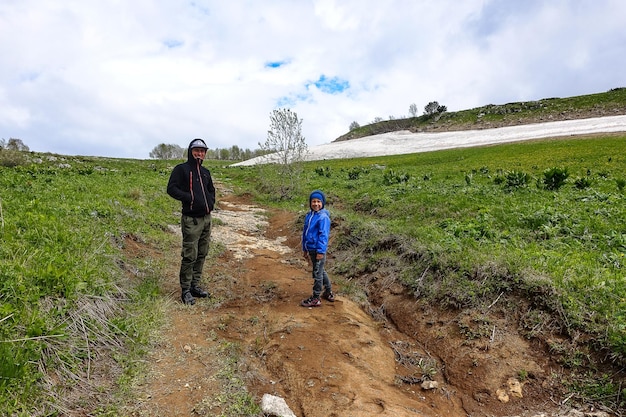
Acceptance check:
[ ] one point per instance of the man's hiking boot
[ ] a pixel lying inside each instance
(328, 296)
(187, 298)
(311, 302)
(199, 292)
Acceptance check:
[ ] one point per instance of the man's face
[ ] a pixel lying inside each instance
(198, 153)
(316, 204)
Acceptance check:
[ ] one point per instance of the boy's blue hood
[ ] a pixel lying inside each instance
(319, 195)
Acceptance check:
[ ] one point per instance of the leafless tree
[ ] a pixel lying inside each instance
(286, 149)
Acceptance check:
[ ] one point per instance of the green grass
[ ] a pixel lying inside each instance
(459, 227)
(233, 399)
(67, 292)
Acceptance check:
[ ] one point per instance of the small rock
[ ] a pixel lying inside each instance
(430, 385)
(275, 406)
(503, 397)
(187, 349)
(515, 387)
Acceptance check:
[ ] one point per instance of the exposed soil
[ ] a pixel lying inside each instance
(346, 358)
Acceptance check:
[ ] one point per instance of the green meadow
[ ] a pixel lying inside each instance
(71, 305)
(547, 217)
(542, 220)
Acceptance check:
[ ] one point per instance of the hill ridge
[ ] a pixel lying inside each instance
(610, 103)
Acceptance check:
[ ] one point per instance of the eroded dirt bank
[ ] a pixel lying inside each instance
(343, 359)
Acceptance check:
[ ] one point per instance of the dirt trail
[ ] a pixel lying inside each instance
(330, 361)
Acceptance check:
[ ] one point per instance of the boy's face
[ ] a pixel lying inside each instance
(316, 204)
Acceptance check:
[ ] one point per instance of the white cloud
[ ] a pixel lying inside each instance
(337, 15)
(118, 78)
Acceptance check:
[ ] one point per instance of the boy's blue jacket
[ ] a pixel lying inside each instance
(316, 231)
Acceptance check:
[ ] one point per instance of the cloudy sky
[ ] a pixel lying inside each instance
(116, 78)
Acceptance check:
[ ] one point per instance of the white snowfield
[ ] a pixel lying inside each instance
(405, 142)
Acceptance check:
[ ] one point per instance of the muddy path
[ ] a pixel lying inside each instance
(341, 359)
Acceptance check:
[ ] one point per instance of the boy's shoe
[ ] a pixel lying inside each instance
(311, 302)
(328, 296)
(199, 292)
(187, 298)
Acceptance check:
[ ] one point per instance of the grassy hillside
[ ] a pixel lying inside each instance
(75, 315)
(610, 103)
(536, 224)
(540, 221)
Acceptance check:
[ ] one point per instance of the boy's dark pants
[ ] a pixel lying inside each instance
(320, 277)
(196, 238)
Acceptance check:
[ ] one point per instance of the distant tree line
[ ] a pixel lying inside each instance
(432, 109)
(11, 150)
(234, 153)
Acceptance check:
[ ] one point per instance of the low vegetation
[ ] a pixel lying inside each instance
(75, 314)
(540, 221)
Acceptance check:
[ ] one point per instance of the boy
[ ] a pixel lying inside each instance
(315, 234)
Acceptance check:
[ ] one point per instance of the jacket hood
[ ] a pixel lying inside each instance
(196, 143)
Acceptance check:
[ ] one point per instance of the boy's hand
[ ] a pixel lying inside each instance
(319, 256)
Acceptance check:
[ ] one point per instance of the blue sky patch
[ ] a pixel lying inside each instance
(291, 100)
(172, 43)
(275, 64)
(29, 76)
(334, 85)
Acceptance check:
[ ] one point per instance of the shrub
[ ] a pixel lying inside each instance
(582, 182)
(391, 177)
(355, 172)
(554, 178)
(513, 179)
(434, 108)
(323, 171)
(11, 158)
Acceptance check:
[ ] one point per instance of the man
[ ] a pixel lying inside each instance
(192, 185)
